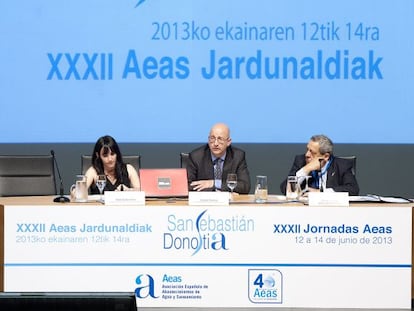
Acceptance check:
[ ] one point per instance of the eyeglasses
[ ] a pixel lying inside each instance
(220, 140)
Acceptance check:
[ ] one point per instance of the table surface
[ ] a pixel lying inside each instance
(273, 200)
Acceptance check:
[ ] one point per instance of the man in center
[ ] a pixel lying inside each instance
(209, 164)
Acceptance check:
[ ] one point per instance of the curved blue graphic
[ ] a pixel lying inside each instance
(138, 279)
(139, 3)
(198, 231)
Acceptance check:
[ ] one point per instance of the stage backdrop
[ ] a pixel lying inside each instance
(150, 71)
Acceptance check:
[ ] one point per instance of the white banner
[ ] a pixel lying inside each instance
(269, 256)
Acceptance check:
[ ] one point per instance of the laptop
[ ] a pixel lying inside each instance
(164, 182)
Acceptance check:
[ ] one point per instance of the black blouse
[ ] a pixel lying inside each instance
(112, 187)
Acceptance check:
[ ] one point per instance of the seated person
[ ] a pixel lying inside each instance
(209, 164)
(107, 160)
(327, 172)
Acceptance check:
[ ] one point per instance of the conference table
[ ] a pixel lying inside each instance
(278, 253)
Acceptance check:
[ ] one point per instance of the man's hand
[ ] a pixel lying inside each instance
(313, 165)
(199, 185)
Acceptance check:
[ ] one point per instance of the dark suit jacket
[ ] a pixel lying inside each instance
(200, 167)
(339, 175)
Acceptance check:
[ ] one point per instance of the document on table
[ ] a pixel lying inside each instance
(378, 198)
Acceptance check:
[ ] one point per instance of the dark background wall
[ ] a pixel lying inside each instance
(381, 169)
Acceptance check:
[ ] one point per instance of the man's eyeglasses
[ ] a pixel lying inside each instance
(220, 140)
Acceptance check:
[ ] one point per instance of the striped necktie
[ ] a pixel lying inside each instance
(217, 168)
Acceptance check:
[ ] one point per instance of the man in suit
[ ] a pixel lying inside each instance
(328, 173)
(209, 164)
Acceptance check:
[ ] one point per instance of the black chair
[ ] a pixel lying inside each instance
(26, 175)
(184, 158)
(351, 159)
(134, 160)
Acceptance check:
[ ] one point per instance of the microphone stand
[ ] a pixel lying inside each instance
(61, 198)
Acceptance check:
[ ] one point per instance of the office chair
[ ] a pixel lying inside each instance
(353, 160)
(184, 158)
(134, 160)
(26, 175)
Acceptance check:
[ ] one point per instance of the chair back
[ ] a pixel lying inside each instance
(351, 159)
(134, 160)
(184, 158)
(26, 175)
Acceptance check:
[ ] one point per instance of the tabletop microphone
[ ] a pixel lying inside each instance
(61, 198)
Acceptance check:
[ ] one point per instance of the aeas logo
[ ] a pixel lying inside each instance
(146, 286)
(265, 286)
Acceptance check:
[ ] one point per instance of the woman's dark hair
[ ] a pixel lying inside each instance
(108, 144)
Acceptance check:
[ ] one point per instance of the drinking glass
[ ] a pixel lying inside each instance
(101, 183)
(79, 190)
(260, 192)
(292, 188)
(231, 182)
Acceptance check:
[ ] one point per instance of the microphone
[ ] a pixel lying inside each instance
(121, 179)
(320, 170)
(61, 198)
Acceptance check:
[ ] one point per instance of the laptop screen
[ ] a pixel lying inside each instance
(164, 182)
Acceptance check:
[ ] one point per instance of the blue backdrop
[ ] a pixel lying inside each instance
(165, 71)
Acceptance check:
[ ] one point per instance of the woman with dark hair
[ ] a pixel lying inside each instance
(107, 160)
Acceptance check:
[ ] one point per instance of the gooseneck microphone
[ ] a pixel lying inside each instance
(61, 198)
(320, 172)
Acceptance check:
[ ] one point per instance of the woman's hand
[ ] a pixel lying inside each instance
(122, 187)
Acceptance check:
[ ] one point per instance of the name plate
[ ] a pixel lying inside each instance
(124, 198)
(339, 199)
(208, 198)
